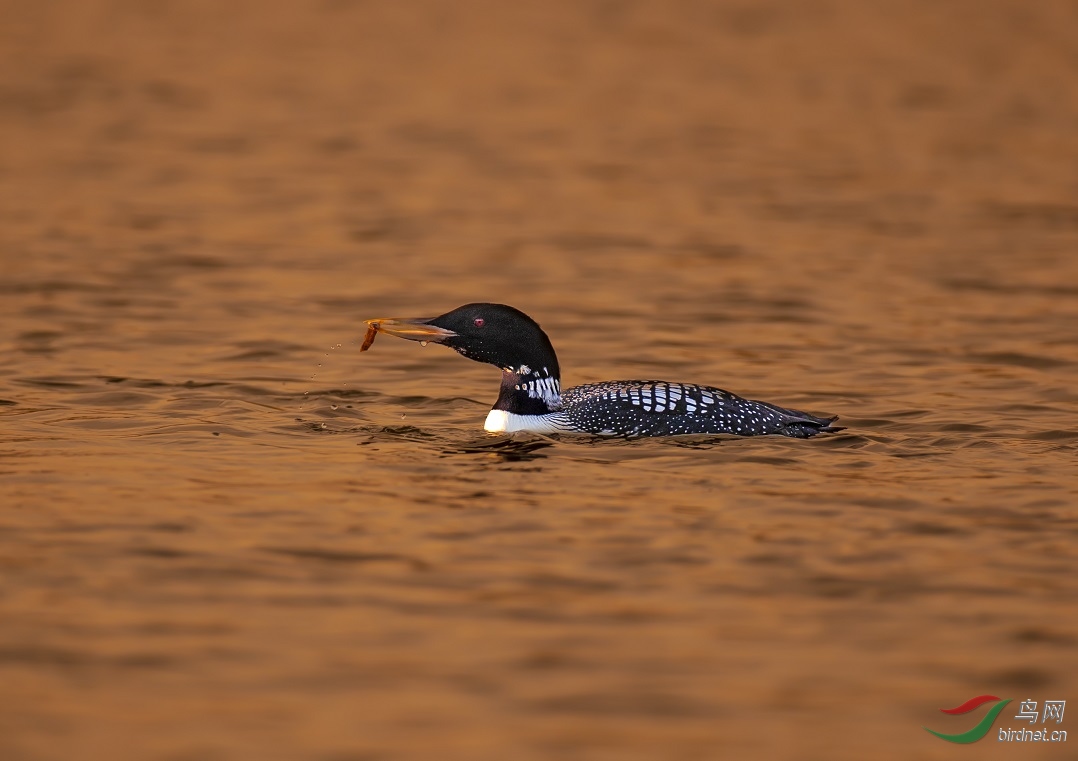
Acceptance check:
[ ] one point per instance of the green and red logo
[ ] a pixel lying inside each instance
(985, 724)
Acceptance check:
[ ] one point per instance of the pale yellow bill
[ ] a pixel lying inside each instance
(411, 329)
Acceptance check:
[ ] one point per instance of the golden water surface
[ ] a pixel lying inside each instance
(226, 534)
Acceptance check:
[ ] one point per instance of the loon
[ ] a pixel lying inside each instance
(531, 398)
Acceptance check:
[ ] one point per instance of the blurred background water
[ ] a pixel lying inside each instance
(225, 534)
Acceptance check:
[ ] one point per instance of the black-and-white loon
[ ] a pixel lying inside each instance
(531, 398)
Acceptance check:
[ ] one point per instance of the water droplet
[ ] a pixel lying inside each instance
(333, 406)
(404, 415)
(306, 392)
(422, 343)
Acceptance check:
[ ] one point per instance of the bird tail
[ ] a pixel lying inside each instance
(801, 425)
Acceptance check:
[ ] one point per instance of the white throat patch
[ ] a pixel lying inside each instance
(500, 421)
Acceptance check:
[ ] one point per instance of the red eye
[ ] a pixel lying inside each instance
(478, 322)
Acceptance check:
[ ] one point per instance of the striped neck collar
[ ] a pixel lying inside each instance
(529, 391)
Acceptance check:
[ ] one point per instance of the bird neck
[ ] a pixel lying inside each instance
(529, 391)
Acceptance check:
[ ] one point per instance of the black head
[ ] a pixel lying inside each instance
(493, 333)
(499, 335)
